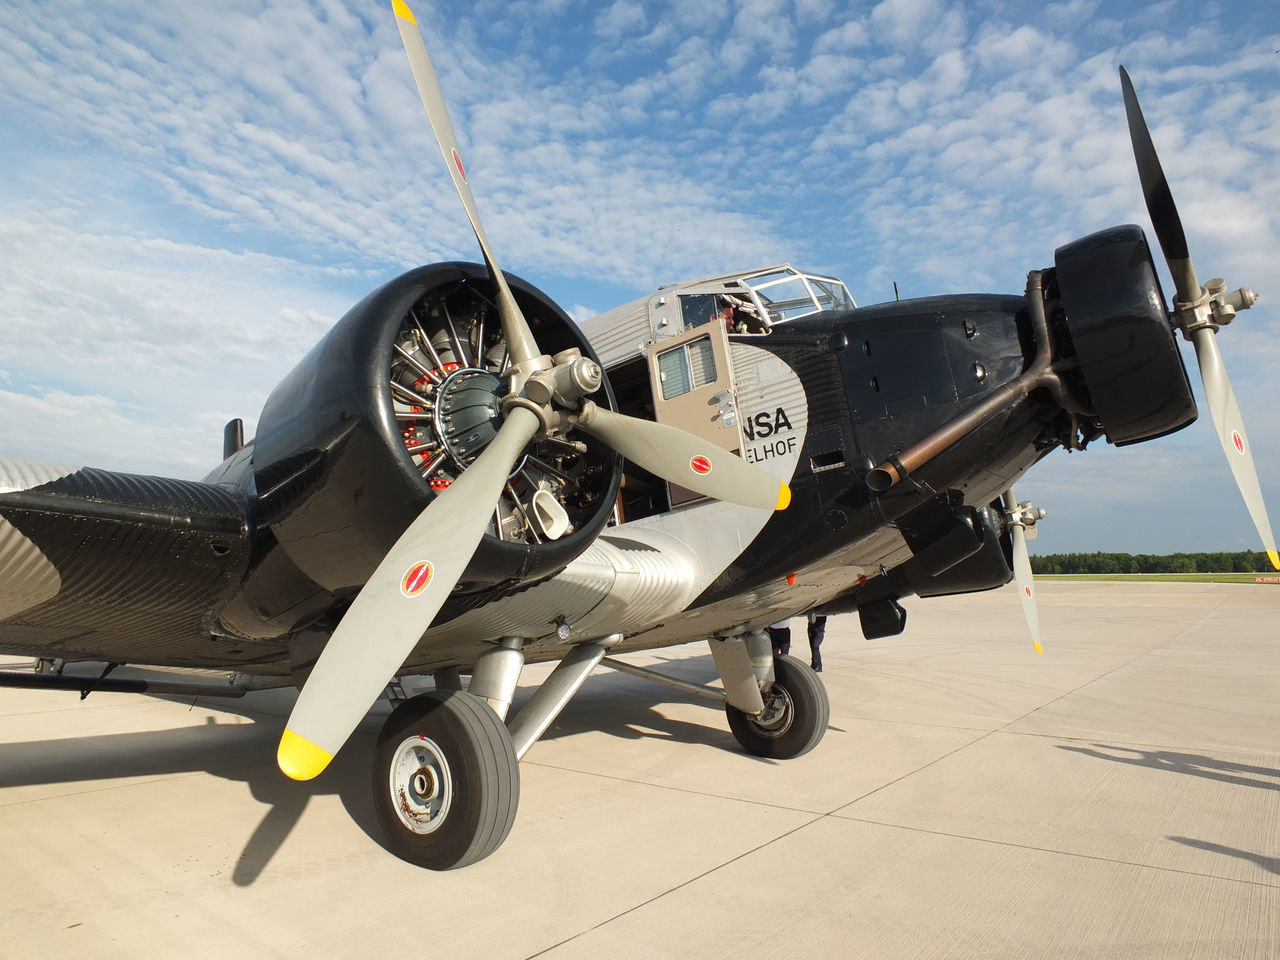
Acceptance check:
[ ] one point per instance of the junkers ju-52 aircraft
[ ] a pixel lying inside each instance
(458, 480)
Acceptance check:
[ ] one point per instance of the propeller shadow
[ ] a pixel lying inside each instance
(237, 752)
(1190, 764)
(1270, 864)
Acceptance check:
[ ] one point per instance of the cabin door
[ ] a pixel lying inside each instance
(693, 390)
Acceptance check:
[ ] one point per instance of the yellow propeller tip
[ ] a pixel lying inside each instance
(784, 498)
(1039, 649)
(403, 12)
(1275, 559)
(299, 758)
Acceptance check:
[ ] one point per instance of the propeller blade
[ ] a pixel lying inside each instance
(1022, 571)
(1160, 205)
(520, 342)
(680, 457)
(397, 604)
(1235, 444)
(1203, 335)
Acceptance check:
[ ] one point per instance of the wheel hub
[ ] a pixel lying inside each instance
(425, 784)
(775, 719)
(420, 784)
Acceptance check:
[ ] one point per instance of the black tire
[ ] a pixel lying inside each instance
(795, 717)
(459, 803)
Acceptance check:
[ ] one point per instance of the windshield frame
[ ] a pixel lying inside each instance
(792, 308)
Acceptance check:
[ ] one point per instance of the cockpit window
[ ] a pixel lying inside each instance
(697, 309)
(787, 294)
(787, 299)
(831, 294)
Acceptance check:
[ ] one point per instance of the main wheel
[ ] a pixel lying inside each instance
(795, 714)
(446, 782)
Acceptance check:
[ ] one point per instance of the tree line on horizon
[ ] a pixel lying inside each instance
(1245, 561)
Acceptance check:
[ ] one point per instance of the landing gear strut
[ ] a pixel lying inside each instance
(795, 715)
(446, 779)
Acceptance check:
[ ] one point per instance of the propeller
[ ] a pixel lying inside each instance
(412, 582)
(1020, 521)
(520, 342)
(1199, 311)
(396, 605)
(680, 456)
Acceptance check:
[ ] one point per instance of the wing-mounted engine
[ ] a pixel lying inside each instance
(1105, 302)
(390, 408)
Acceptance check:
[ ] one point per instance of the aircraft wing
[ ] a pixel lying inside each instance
(112, 566)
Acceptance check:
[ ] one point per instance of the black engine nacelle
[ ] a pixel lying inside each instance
(1115, 316)
(956, 549)
(349, 447)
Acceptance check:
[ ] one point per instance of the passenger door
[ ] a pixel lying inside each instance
(693, 390)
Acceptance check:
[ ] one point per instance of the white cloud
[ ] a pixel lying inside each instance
(813, 11)
(1070, 13)
(1022, 47)
(931, 25)
(622, 19)
(134, 338)
(849, 35)
(699, 15)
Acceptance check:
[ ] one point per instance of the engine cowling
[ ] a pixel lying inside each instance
(391, 405)
(1115, 316)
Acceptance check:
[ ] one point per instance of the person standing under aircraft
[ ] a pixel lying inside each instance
(780, 635)
(817, 630)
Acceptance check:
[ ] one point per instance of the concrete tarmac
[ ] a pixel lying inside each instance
(1117, 797)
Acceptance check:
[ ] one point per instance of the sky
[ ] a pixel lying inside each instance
(190, 195)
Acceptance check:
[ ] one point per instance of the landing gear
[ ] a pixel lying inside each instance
(795, 715)
(445, 780)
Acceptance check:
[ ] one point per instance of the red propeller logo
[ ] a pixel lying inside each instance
(1238, 441)
(417, 578)
(700, 465)
(457, 162)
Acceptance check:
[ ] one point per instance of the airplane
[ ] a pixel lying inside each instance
(458, 480)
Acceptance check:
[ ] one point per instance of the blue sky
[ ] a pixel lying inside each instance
(191, 194)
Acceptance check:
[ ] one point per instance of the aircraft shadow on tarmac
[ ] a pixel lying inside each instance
(243, 752)
(1197, 765)
(1190, 764)
(609, 703)
(1270, 864)
(620, 706)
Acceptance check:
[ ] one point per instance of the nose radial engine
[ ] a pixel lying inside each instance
(545, 397)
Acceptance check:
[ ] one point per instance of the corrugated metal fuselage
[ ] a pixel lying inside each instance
(817, 401)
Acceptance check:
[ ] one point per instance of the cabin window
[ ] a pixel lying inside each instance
(686, 367)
